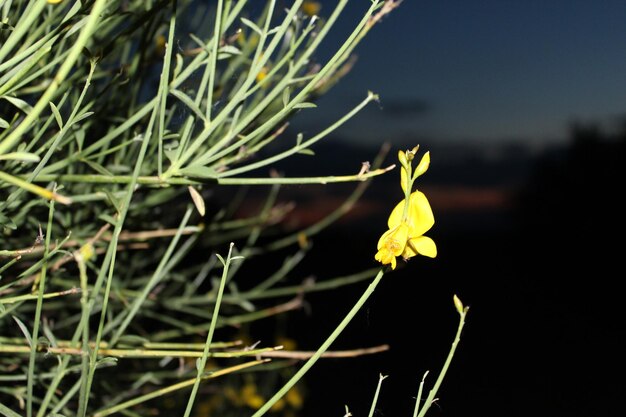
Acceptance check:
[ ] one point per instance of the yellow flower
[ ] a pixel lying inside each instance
(311, 8)
(410, 218)
(418, 222)
(159, 45)
(261, 75)
(294, 397)
(391, 244)
(54, 1)
(251, 397)
(286, 343)
(278, 406)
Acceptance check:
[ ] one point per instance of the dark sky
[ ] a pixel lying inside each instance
(485, 71)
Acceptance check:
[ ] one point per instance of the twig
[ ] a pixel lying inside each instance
(303, 355)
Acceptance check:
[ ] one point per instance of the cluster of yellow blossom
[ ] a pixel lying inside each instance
(410, 218)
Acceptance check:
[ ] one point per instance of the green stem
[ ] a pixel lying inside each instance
(305, 368)
(201, 364)
(304, 145)
(381, 378)
(35, 336)
(35, 189)
(27, 297)
(433, 392)
(160, 182)
(212, 66)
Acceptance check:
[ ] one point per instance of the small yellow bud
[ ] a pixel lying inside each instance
(87, 251)
(458, 304)
(261, 75)
(402, 158)
(159, 45)
(410, 153)
(54, 1)
(303, 240)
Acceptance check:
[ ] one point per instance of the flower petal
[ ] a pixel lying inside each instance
(395, 239)
(395, 218)
(422, 245)
(391, 244)
(384, 237)
(421, 217)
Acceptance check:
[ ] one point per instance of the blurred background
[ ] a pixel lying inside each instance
(522, 106)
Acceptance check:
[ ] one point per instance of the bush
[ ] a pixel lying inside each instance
(131, 135)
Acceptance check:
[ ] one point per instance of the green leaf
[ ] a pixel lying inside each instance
(179, 66)
(75, 8)
(251, 25)
(306, 152)
(51, 340)
(305, 105)
(286, 96)
(24, 330)
(3, 123)
(82, 116)
(20, 156)
(76, 27)
(57, 115)
(197, 171)
(97, 167)
(79, 134)
(229, 50)
(108, 218)
(221, 259)
(106, 361)
(133, 340)
(188, 102)
(199, 41)
(119, 168)
(115, 202)
(170, 154)
(19, 103)
(273, 30)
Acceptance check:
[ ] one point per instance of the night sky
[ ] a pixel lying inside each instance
(481, 71)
